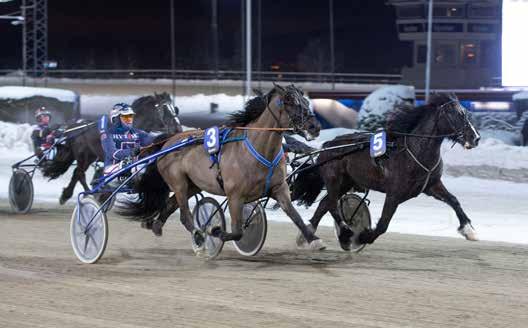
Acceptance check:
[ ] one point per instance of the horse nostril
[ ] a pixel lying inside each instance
(477, 138)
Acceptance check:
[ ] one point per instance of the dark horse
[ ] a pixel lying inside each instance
(413, 166)
(153, 113)
(244, 177)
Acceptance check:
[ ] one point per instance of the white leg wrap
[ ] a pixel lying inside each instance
(468, 232)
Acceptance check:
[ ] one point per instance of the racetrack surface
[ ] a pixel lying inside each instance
(144, 281)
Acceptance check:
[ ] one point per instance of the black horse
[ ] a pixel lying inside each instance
(153, 113)
(413, 165)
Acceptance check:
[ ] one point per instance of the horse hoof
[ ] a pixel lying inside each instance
(468, 232)
(300, 240)
(62, 201)
(317, 245)
(157, 228)
(146, 225)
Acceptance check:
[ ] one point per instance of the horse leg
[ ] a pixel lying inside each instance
(236, 206)
(439, 191)
(282, 196)
(321, 210)
(158, 223)
(368, 236)
(81, 176)
(329, 204)
(68, 191)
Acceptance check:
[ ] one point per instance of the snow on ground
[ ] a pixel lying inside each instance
(14, 92)
(498, 209)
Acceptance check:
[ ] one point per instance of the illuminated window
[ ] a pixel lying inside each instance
(469, 53)
(454, 11)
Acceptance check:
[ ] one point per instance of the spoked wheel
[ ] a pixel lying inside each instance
(20, 191)
(88, 230)
(348, 205)
(208, 217)
(255, 233)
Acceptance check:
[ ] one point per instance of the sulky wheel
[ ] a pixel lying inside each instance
(20, 191)
(347, 206)
(207, 216)
(254, 229)
(88, 230)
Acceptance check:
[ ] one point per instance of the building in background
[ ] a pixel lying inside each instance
(466, 42)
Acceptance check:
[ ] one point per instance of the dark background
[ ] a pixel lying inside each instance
(136, 34)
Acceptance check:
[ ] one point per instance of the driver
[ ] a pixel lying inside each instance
(119, 138)
(43, 136)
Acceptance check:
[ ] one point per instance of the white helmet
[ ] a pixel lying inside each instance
(120, 109)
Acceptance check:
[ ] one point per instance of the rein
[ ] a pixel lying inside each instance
(260, 129)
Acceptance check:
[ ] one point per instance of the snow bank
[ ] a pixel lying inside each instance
(100, 104)
(491, 152)
(15, 140)
(13, 92)
(521, 95)
(380, 102)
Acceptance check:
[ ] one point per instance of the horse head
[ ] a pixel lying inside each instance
(166, 114)
(454, 120)
(300, 116)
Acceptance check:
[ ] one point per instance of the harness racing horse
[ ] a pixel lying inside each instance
(248, 169)
(153, 113)
(413, 167)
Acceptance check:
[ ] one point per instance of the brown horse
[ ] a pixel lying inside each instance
(240, 174)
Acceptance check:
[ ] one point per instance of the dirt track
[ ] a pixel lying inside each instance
(143, 281)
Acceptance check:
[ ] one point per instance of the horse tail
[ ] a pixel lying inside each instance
(153, 194)
(307, 186)
(60, 164)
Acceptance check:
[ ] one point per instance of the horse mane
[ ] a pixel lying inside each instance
(252, 109)
(255, 106)
(406, 117)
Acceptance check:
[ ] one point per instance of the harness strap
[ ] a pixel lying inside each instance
(262, 160)
(429, 171)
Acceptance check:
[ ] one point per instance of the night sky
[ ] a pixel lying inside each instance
(124, 34)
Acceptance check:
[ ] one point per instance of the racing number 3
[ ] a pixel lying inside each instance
(212, 140)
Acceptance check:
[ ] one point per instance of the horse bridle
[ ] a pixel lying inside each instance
(457, 133)
(292, 126)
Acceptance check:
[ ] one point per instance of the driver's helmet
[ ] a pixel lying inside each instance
(40, 112)
(120, 109)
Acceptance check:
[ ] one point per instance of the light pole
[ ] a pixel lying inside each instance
(248, 48)
(429, 50)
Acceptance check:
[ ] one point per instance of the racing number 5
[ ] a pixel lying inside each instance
(378, 141)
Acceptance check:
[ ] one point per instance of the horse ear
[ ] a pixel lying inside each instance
(258, 92)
